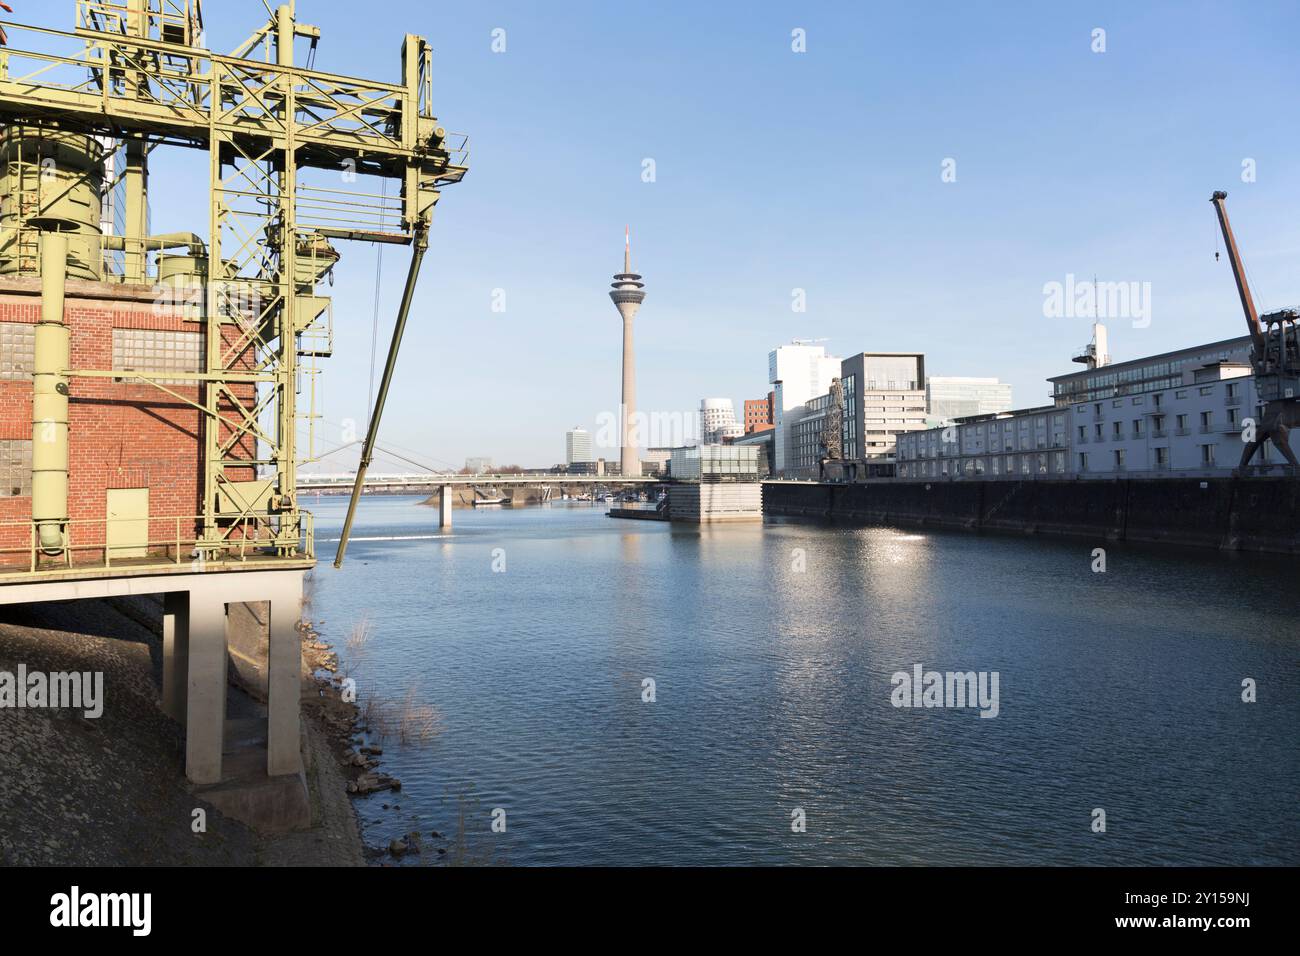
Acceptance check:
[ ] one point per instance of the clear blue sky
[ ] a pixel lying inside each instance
(778, 170)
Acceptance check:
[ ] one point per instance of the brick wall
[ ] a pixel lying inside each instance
(121, 435)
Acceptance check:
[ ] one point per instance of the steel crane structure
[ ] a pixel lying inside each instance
(138, 72)
(1275, 355)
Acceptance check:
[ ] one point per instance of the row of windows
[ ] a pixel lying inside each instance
(137, 350)
(1231, 390)
(1120, 381)
(1232, 422)
(1159, 458)
(1045, 463)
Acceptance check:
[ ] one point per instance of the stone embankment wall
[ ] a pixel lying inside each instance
(1250, 514)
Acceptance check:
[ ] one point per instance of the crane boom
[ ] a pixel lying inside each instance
(1239, 272)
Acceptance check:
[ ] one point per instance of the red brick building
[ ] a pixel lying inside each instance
(758, 413)
(123, 435)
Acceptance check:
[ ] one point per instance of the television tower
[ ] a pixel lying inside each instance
(628, 295)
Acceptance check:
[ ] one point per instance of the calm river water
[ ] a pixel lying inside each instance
(771, 648)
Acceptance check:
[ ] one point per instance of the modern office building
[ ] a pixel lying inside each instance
(478, 466)
(949, 397)
(1178, 412)
(718, 420)
(798, 372)
(716, 483)
(882, 396)
(577, 446)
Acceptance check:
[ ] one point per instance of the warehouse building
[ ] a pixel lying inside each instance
(1177, 412)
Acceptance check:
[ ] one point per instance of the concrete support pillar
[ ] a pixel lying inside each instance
(284, 682)
(205, 706)
(444, 508)
(176, 653)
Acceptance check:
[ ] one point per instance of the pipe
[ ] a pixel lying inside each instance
(284, 33)
(372, 432)
(50, 399)
(168, 240)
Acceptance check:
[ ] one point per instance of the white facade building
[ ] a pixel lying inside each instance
(717, 420)
(1178, 412)
(1027, 443)
(797, 373)
(883, 396)
(577, 446)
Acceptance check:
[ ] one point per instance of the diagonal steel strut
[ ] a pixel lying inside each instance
(421, 242)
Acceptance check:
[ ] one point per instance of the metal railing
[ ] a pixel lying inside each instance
(243, 540)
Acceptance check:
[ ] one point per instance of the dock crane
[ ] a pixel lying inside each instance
(1274, 356)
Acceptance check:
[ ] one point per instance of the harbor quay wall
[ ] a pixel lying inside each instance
(1247, 514)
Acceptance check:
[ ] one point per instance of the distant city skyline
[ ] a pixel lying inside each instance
(1064, 162)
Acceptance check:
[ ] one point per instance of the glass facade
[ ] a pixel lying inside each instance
(716, 463)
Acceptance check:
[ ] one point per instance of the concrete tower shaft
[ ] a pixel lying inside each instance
(628, 294)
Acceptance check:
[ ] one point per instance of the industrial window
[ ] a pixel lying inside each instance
(15, 468)
(17, 348)
(152, 351)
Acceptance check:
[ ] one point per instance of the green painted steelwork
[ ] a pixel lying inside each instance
(136, 72)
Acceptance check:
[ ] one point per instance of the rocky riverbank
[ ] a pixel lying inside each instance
(356, 737)
(111, 790)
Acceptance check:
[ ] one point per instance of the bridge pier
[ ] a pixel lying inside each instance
(444, 507)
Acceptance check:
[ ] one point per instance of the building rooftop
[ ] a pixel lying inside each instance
(1229, 345)
(1010, 413)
